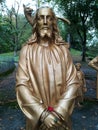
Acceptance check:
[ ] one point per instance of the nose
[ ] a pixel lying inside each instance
(45, 20)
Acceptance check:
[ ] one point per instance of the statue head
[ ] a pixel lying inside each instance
(44, 24)
(78, 66)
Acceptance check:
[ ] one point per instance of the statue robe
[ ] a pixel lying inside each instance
(94, 64)
(45, 77)
(82, 88)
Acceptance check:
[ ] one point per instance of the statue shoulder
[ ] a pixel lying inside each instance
(24, 49)
(93, 61)
(66, 51)
(67, 45)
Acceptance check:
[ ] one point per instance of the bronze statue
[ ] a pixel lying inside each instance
(94, 64)
(46, 79)
(82, 89)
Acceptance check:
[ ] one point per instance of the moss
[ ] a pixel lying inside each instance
(90, 101)
(7, 72)
(10, 104)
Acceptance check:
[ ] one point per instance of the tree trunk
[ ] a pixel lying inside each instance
(84, 52)
(15, 50)
(16, 35)
(84, 45)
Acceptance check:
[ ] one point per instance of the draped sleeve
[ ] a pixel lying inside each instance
(66, 102)
(29, 104)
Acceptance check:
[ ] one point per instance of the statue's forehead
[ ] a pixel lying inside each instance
(44, 11)
(78, 64)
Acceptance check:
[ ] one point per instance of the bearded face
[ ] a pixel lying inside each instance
(45, 22)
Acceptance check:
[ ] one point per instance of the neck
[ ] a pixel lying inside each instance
(45, 41)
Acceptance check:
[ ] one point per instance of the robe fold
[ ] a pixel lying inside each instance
(45, 77)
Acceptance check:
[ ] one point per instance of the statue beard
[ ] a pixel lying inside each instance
(45, 33)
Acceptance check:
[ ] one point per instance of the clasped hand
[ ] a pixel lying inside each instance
(52, 120)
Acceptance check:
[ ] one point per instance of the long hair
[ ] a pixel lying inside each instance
(55, 37)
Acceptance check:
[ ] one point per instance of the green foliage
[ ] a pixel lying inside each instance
(6, 73)
(93, 51)
(1, 1)
(75, 52)
(10, 36)
(5, 32)
(9, 56)
(83, 16)
(9, 104)
(63, 27)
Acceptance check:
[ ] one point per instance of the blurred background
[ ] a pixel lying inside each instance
(81, 35)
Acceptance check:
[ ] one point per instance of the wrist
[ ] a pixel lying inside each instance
(44, 114)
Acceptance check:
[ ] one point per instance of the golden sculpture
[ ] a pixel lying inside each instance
(46, 79)
(94, 64)
(82, 89)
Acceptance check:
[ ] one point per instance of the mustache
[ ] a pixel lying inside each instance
(44, 27)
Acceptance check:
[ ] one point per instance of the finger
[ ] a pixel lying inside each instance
(59, 123)
(55, 124)
(43, 127)
(50, 126)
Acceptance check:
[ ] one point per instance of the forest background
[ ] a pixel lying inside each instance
(81, 34)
